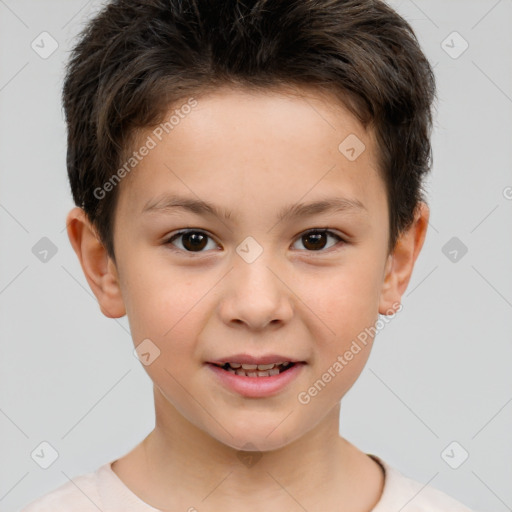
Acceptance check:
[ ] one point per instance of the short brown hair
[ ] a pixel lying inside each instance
(135, 58)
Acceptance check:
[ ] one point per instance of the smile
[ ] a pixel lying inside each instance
(256, 370)
(251, 382)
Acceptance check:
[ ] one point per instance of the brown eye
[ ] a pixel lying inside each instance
(316, 240)
(192, 241)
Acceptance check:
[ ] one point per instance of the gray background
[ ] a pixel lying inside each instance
(439, 372)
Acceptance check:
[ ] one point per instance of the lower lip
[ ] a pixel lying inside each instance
(256, 387)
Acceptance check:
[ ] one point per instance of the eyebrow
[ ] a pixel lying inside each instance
(167, 203)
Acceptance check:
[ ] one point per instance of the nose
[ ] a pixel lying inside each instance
(256, 295)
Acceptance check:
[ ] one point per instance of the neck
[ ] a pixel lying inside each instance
(319, 465)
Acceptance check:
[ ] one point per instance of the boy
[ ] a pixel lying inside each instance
(248, 179)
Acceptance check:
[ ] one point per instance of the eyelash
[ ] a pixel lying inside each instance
(308, 232)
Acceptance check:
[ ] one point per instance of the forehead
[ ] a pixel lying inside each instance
(274, 145)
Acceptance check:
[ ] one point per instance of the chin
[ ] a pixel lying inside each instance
(257, 436)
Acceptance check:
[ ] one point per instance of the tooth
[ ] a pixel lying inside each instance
(235, 365)
(258, 373)
(286, 364)
(265, 366)
(249, 366)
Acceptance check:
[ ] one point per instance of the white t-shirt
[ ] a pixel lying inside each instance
(104, 490)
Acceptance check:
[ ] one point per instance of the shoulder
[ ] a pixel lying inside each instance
(403, 493)
(80, 494)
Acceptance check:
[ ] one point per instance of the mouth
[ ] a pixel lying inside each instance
(257, 370)
(257, 378)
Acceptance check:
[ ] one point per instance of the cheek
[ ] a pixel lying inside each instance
(346, 299)
(172, 323)
(159, 301)
(167, 317)
(347, 303)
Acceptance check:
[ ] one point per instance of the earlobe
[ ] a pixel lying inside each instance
(98, 268)
(400, 263)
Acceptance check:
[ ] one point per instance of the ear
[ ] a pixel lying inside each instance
(99, 269)
(401, 261)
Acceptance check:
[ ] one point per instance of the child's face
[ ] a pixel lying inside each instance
(306, 298)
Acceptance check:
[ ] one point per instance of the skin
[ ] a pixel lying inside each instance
(252, 153)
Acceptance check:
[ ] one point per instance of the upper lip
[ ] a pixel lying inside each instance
(250, 359)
